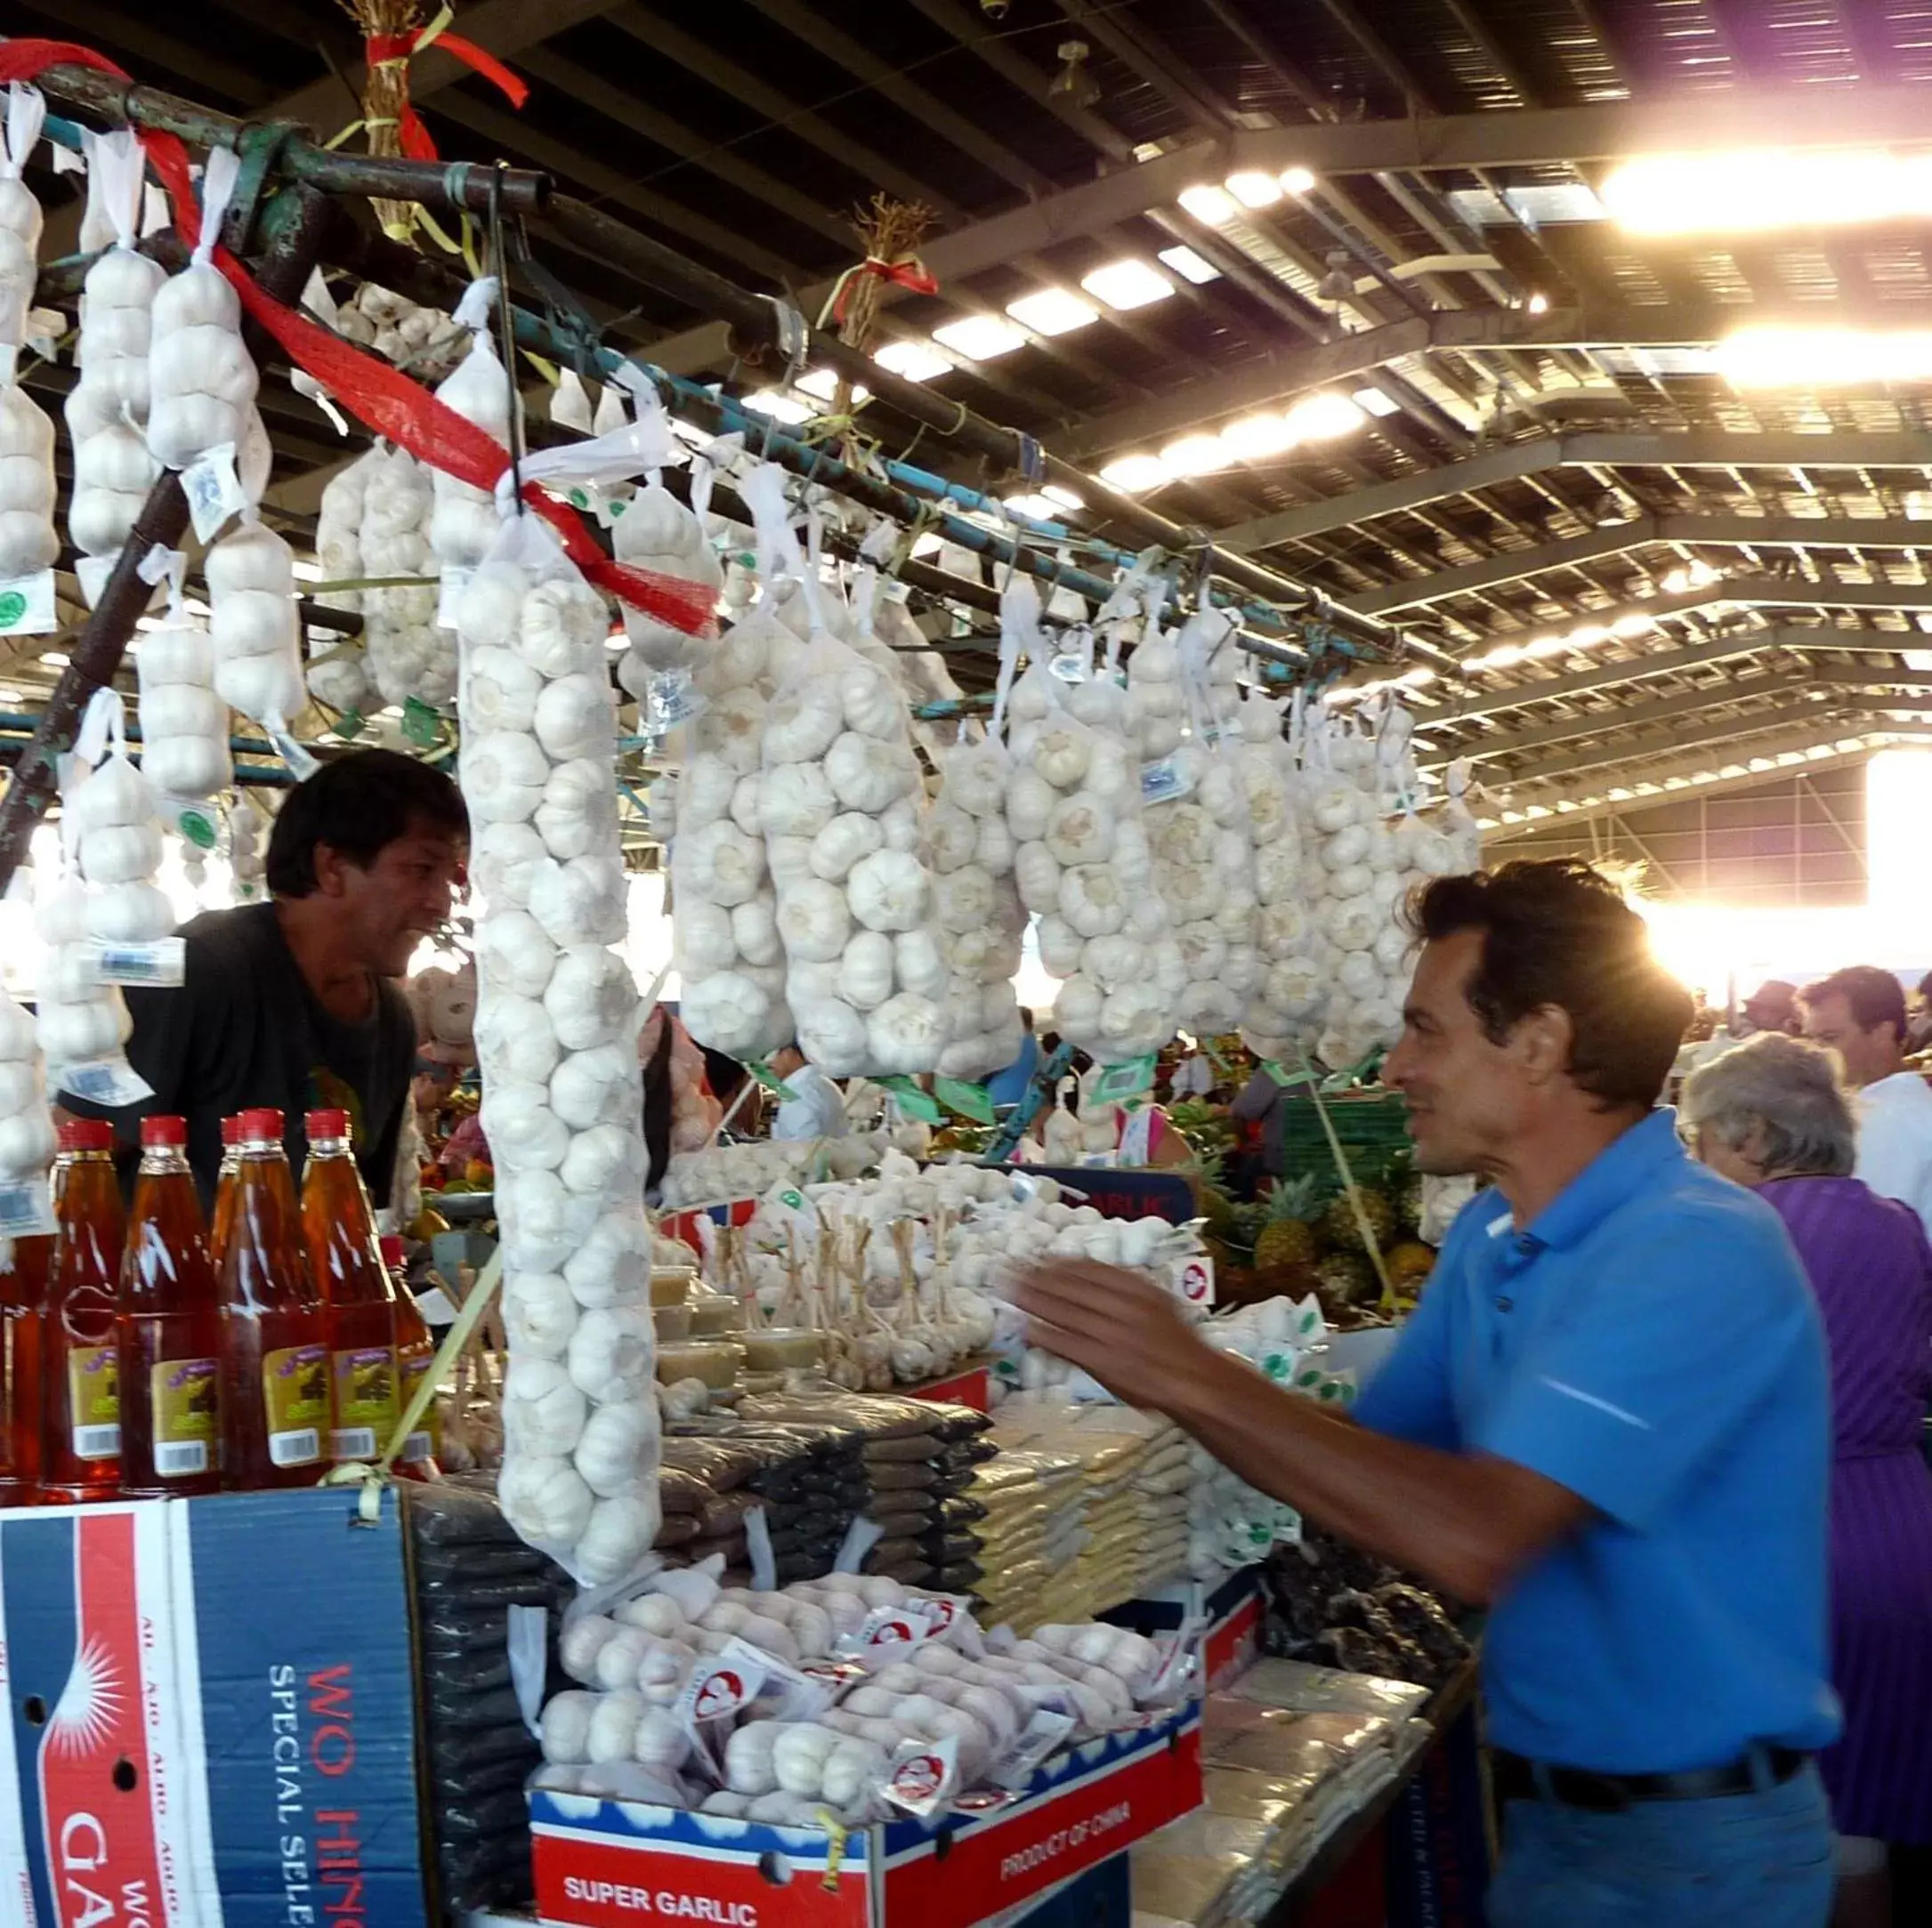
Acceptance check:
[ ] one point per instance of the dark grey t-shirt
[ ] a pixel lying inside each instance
(245, 1029)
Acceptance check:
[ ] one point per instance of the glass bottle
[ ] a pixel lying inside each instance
(80, 1432)
(221, 1214)
(275, 1397)
(23, 1292)
(170, 1327)
(338, 1229)
(415, 1353)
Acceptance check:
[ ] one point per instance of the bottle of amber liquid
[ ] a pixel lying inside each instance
(23, 1292)
(338, 1228)
(170, 1327)
(415, 1353)
(80, 1432)
(275, 1400)
(222, 1213)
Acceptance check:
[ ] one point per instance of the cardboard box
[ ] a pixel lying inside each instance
(617, 1865)
(210, 1720)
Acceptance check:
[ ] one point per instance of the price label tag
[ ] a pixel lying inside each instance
(716, 1694)
(163, 962)
(924, 1775)
(912, 1101)
(1127, 1079)
(213, 490)
(674, 698)
(301, 765)
(421, 724)
(1068, 666)
(1194, 1281)
(1162, 780)
(456, 579)
(111, 1081)
(349, 725)
(1137, 1138)
(195, 819)
(27, 605)
(26, 1209)
(969, 1100)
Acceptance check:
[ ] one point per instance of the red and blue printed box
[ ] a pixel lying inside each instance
(210, 1717)
(608, 1864)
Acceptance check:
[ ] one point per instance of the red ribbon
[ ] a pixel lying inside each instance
(380, 396)
(413, 136)
(911, 274)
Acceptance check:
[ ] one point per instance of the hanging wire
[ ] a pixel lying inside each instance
(499, 262)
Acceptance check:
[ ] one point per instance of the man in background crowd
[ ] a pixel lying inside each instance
(1860, 1014)
(814, 1106)
(1773, 1006)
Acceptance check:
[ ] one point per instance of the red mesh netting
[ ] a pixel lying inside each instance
(381, 397)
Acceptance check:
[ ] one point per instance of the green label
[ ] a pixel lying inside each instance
(913, 1101)
(186, 1397)
(969, 1100)
(351, 724)
(1283, 1077)
(1127, 1079)
(94, 1401)
(771, 1081)
(366, 1408)
(294, 1394)
(421, 724)
(197, 827)
(12, 607)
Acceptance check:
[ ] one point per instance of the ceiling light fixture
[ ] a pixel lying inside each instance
(1320, 417)
(822, 385)
(1063, 498)
(1188, 265)
(1126, 284)
(1042, 507)
(1253, 189)
(911, 361)
(1214, 206)
(1257, 437)
(980, 337)
(1754, 190)
(1296, 180)
(1196, 455)
(1373, 401)
(779, 406)
(1823, 357)
(1053, 311)
(1133, 475)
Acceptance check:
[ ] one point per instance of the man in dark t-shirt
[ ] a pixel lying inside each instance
(292, 1002)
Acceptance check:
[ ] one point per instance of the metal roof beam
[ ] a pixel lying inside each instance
(1741, 531)
(1693, 448)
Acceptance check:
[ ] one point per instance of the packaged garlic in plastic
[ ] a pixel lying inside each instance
(107, 408)
(1083, 866)
(26, 1133)
(184, 725)
(337, 674)
(977, 905)
(656, 531)
(256, 625)
(556, 1026)
(20, 219)
(202, 378)
(463, 524)
(1290, 992)
(408, 655)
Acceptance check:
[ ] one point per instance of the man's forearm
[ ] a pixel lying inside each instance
(1431, 1512)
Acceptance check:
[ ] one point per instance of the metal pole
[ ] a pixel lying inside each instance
(297, 221)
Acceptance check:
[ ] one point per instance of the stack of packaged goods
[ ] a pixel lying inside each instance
(474, 1582)
(1030, 1534)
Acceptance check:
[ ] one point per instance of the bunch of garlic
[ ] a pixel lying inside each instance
(20, 218)
(1292, 990)
(337, 675)
(657, 532)
(107, 408)
(556, 1031)
(256, 625)
(202, 378)
(408, 655)
(424, 340)
(838, 801)
(463, 523)
(246, 826)
(184, 730)
(982, 921)
(28, 542)
(1083, 866)
(27, 1136)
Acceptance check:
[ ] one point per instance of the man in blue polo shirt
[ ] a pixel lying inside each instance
(1607, 1420)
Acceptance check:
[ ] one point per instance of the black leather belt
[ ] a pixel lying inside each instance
(1517, 1779)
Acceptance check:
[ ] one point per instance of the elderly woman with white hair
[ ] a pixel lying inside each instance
(1772, 1114)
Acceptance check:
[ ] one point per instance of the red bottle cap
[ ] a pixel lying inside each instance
(231, 1129)
(326, 1125)
(260, 1122)
(164, 1130)
(392, 1249)
(87, 1135)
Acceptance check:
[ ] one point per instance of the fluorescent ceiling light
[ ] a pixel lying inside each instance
(822, 385)
(1042, 507)
(1318, 417)
(1627, 627)
(1750, 191)
(1506, 656)
(1253, 189)
(1823, 357)
(1053, 311)
(1215, 207)
(1546, 647)
(1254, 438)
(911, 361)
(1196, 455)
(1132, 474)
(1190, 266)
(1063, 498)
(980, 337)
(1296, 180)
(779, 406)
(1127, 284)
(1373, 401)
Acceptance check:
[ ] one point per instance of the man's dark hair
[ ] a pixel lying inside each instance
(1874, 997)
(357, 805)
(1557, 932)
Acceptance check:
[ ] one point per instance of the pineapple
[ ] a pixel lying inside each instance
(1409, 1264)
(1347, 1278)
(1287, 1236)
(1340, 1229)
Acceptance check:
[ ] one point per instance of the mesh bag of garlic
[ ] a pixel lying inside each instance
(556, 1026)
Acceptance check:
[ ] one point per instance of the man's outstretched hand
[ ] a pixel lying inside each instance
(1128, 1332)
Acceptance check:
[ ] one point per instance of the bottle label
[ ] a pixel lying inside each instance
(294, 1393)
(93, 1392)
(426, 1444)
(365, 1401)
(186, 1396)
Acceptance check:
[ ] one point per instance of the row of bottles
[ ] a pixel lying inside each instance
(143, 1356)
